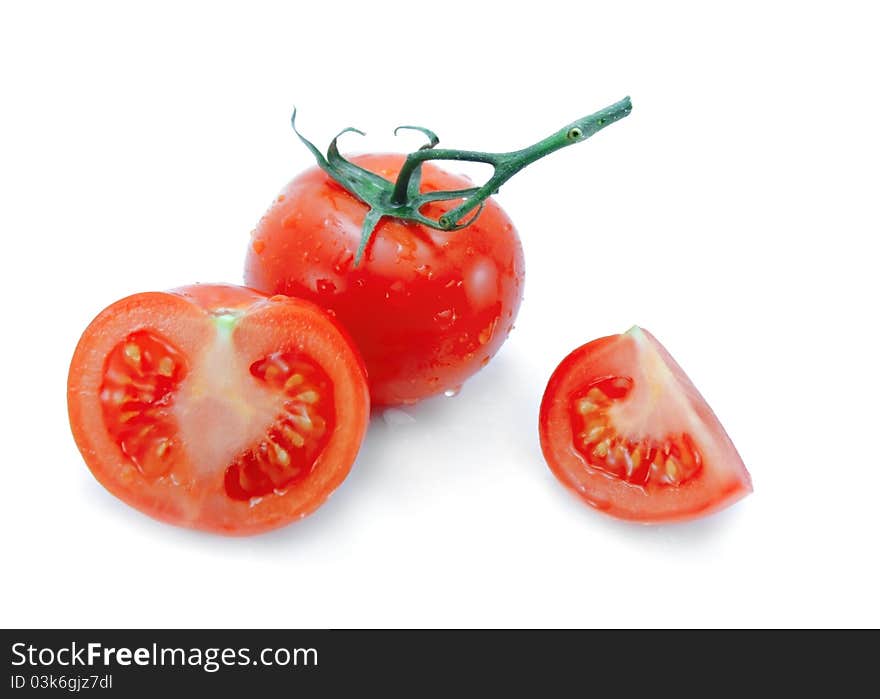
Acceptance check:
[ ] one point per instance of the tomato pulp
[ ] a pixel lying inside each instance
(426, 308)
(216, 407)
(622, 426)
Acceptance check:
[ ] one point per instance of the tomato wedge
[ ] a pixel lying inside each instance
(623, 427)
(217, 407)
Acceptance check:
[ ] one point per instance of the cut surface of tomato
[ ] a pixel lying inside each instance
(216, 407)
(622, 426)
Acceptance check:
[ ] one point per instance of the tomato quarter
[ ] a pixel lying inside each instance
(623, 427)
(216, 407)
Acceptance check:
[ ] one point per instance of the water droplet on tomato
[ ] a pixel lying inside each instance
(452, 392)
(325, 286)
(488, 332)
(446, 319)
(343, 261)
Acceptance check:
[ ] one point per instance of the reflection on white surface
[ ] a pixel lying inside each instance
(395, 417)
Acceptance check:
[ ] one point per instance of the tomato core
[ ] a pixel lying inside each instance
(140, 376)
(671, 460)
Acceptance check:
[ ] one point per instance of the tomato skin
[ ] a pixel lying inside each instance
(426, 308)
(723, 479)
(185, 317)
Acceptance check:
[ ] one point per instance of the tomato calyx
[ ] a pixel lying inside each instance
(403, 199)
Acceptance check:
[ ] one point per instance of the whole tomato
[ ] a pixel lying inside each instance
(426, 307)
(422, 267)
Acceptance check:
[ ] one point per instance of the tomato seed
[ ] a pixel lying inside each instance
(293, 382)
(132, 352)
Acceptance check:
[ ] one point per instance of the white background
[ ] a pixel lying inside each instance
(734, 214)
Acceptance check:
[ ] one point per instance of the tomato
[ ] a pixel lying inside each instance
(216, 407)
(426, 307)
(623, 427)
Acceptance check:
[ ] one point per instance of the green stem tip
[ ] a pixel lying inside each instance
(403, 199)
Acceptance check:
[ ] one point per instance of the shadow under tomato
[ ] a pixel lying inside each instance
(488, 429)
(688, 535)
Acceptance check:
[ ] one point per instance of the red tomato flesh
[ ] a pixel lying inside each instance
(426, 308)
(216, 407)
(623, 427)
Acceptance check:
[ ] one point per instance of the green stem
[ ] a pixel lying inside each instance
(414, 160)
(507, 164)
(403, 198)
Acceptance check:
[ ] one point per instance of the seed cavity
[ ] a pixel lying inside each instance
(141, 374)
(294, 443)
(670, 461)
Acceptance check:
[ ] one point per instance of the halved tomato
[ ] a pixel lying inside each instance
(217, 407)
(623, 427)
